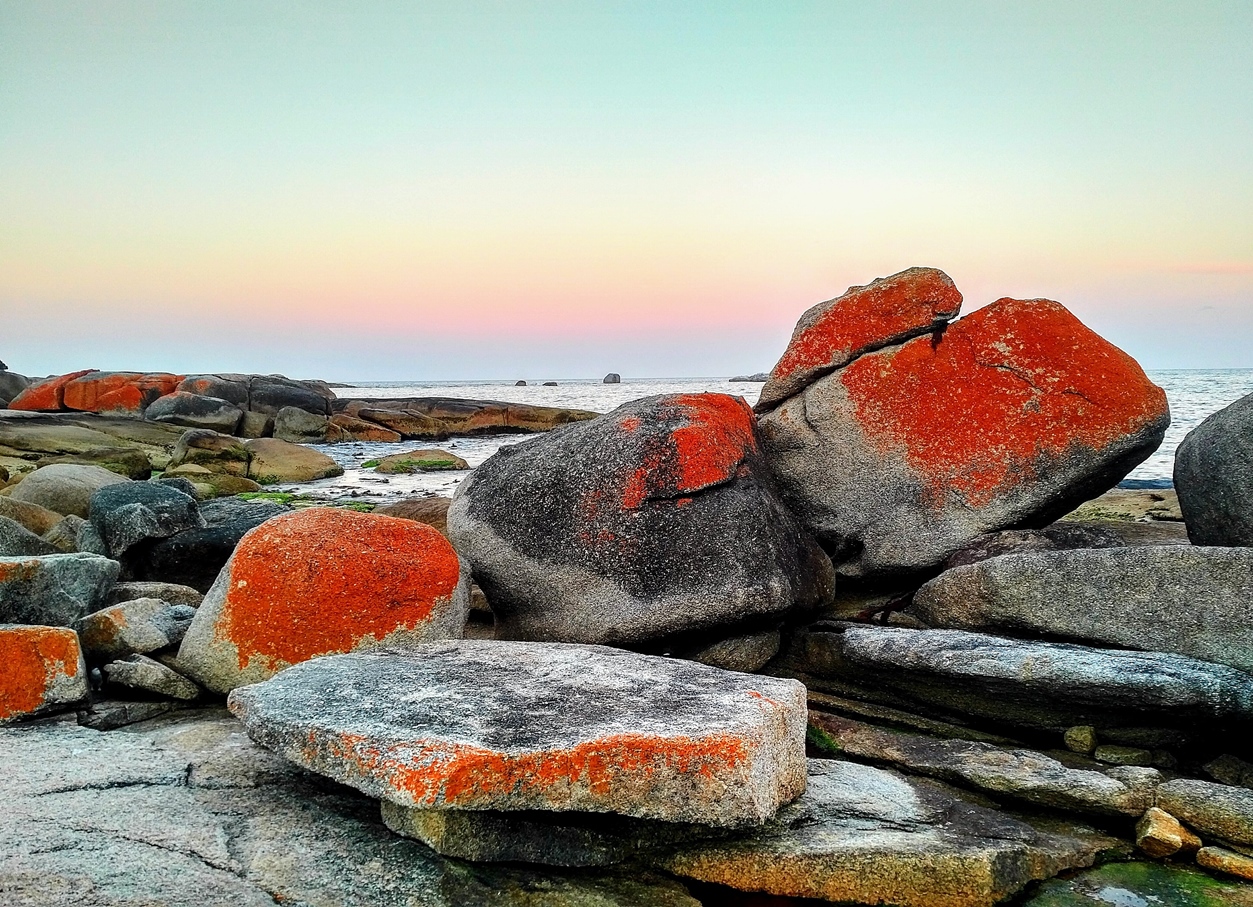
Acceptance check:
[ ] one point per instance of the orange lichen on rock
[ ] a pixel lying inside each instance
(441, 775)
(1005, 391)
(117, 391)
(322, 580)
(102, 629)
(30, 658)
(714, 435)
(864, 318)
(48, 395)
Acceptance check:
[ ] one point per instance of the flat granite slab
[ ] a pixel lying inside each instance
(480, 724)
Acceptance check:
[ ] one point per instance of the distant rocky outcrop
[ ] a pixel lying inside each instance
(612, 378)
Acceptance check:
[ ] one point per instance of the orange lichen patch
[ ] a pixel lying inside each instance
(866, 318)
(30, 658)
(322, 581)
(713, 435)
(444, 774)
(18, 571)
(117, 391)
(47, 395)
(1005, 391)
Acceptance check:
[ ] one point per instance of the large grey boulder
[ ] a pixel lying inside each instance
(195, 411)
(53, 590)
(185, 811)
(657, 519)
(1033, 684)
(540, 726)
(125, 515)
(65, 488)
(863, 835)
(898, 449)
(1214, 477)
(1192, 601)
(271, 393)
(18, 541)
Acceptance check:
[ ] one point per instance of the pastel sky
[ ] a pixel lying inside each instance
(426, 190)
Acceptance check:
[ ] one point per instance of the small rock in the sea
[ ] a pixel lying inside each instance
(612, 378)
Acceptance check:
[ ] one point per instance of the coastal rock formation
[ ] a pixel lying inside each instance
(862, 835)
(1030, 684)
(425, 460)
(897, 454)
(344, 427)
(47, 395)
(11, 385)
(546, 726)
(272, 393)
(1214, 477)
(433, 418)
(65, 488)
(121, 392)
(42, 671)
(1193, 601)
(128, 513)
(319, 582)
(657, 519)
(53, 590)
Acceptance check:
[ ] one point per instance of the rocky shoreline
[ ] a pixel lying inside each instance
(894, 637)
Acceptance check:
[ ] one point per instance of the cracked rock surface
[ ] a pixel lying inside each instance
(187, 812)
(902, 455)
(655, 520)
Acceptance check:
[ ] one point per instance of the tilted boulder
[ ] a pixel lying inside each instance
(195, 411)
(127, 514)
(42, 671)
(1189, 600)
(657, 519)
(474, 724)
(321, 582)
(897, 454)
(1214, 477)
(53, 590)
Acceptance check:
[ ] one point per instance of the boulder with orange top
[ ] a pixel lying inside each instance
(900, 438)
(42, 671)
(322, 582)
(657, 520)
(570, 729)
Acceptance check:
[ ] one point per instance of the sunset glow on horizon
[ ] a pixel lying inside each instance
(490, 190)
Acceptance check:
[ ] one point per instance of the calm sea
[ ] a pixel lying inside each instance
(1193, 395)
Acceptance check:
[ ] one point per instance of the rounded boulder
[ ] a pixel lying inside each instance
(1214, 477)
(659, 518)
(322, 582)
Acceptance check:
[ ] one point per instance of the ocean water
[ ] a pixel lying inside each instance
(1193, 395)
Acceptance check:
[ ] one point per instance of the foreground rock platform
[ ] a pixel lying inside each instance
(864, 835)
(540, 726)
(185, 811)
